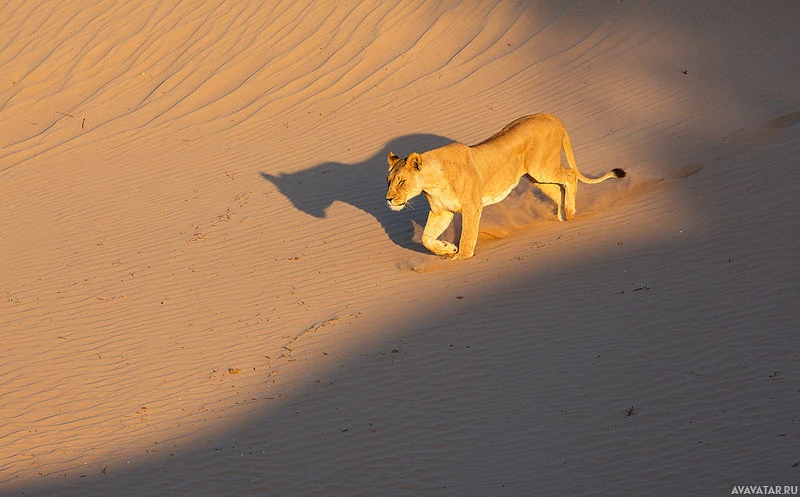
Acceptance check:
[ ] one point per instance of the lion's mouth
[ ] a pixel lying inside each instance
(395, 207)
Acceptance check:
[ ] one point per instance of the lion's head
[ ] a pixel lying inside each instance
(405, 181)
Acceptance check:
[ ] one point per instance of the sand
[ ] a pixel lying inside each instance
(202, 291)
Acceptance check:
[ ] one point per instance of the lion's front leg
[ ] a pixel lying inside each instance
(435, 226)
(470, 224)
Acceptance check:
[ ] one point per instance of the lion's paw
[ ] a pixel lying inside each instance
(445, 249)
(461, 255)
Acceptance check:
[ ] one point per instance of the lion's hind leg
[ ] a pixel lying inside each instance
(556, 193)
(570, 191)
(560, 185)
(434, 227)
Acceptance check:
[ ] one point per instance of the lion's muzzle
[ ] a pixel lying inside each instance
(392, 205)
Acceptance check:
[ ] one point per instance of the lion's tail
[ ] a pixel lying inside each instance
(614, 173)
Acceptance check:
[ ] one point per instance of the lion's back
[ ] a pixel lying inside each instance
(521, 129)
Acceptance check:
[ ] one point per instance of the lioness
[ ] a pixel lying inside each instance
(459, 178)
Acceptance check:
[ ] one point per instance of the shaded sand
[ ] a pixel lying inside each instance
(203, 293)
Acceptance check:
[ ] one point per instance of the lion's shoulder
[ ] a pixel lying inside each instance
(449, 160)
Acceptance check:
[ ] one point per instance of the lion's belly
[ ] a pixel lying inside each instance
(494, 197)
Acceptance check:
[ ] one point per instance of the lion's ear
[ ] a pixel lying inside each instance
(392, 159)
(414, 160)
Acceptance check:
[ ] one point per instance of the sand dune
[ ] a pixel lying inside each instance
(202, 291)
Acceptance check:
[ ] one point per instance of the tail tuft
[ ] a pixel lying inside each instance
(619, 173)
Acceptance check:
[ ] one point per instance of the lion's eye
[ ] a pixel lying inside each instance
(399, 183)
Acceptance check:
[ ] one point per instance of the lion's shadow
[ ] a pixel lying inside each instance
(361, 185)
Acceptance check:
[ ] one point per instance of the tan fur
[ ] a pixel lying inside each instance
(459, 178)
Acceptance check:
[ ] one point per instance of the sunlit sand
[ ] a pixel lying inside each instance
(203, 292)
